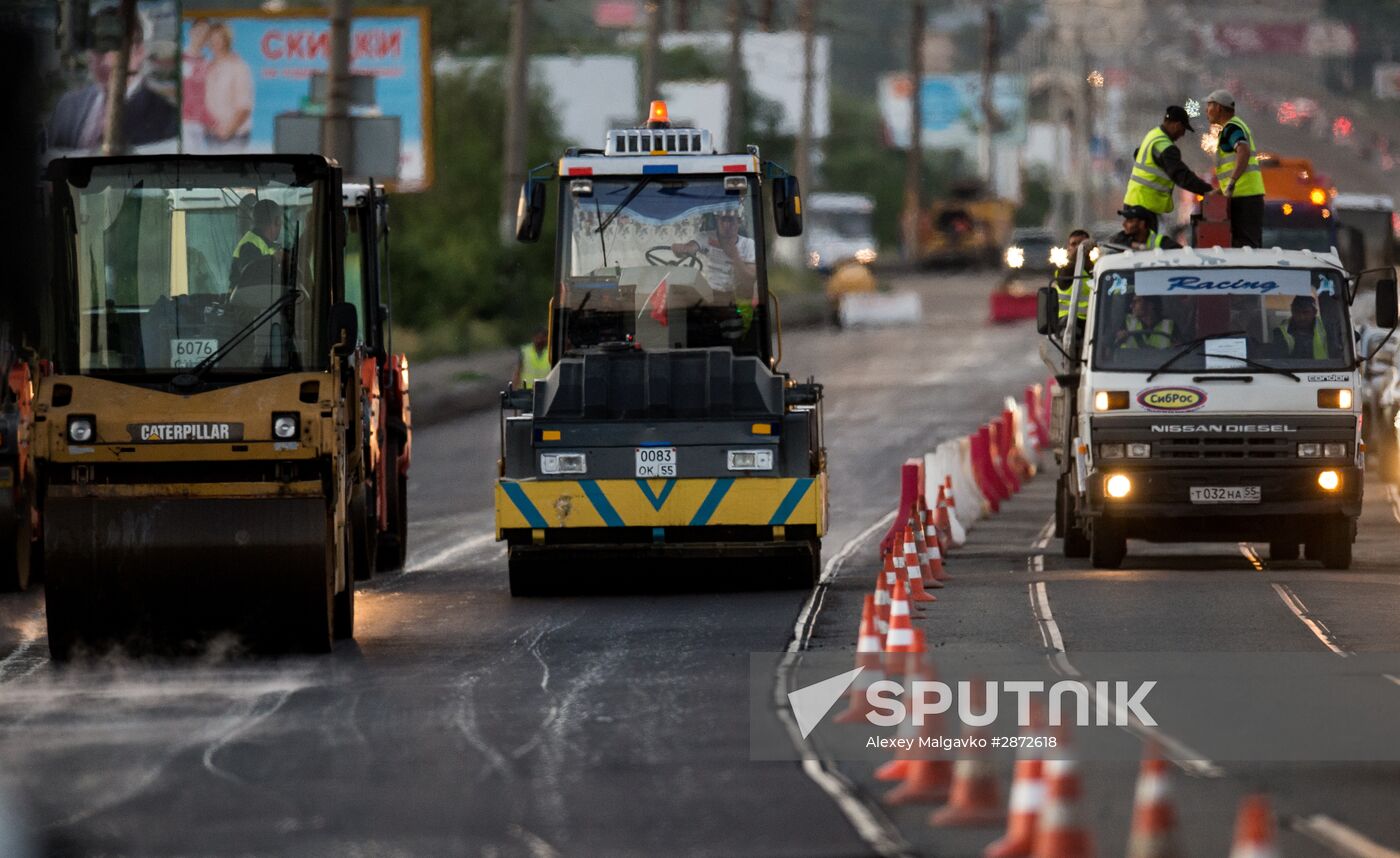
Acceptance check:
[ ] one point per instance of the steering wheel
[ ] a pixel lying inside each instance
(676, 260)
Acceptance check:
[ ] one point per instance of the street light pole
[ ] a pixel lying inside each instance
(336, 140)
(914, 157)
(516, 111)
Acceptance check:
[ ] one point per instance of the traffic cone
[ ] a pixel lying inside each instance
(923, 550)
(900, 640)
(937, 522)
(882, 604)
(914, 569)
(895, 570)
(1027, 799)
(868, 646)
(926, 778)
(974, 799)
(898, 768)
(1154, 817)
(1060, 833)
(1254, 829)
(935, 563)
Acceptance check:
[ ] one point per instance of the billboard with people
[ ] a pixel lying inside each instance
(249, 77)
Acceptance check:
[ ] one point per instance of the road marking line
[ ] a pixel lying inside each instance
(868, 819)
(1316, 626)
(1035, 563)
(1337, 837)
(1392, 677)
(1252, 555)
(21, 662)
(1190, 761)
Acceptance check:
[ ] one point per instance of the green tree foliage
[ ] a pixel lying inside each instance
(456, 284)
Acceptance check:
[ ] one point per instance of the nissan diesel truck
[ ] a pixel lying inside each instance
(1211, 395)
(664, 427)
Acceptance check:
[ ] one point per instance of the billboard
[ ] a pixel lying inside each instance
(245, 73)
(952, 109)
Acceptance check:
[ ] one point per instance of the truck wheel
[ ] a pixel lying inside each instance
(1335, 548)
(314, 615)
(1107, 546)
(1283, 550)
(344, 622)
(364, 527)
(393, 543)
(528, 575)
(1060, 506)
(805, 569)
(14, 569)
(1076, 540)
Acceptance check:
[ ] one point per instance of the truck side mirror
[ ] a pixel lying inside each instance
(1386, 309)
(529, 213)
(345, 328)
(787, 206)
(1047, 308)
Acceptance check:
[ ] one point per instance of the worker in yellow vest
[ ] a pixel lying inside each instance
(534, 361)
(1237, 171)
(1145, 328)
(255, 257)
(1158, 168)
(1303, 335)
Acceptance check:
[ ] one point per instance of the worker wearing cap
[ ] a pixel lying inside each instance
(1145, 327)
(1237, 171)
(1303, 335)
(1064, 280)
(1157, 167)
(1137, 233)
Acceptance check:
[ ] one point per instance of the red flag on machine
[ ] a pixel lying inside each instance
(656, 304)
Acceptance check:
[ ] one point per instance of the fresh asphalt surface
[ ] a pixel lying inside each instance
(463, 722)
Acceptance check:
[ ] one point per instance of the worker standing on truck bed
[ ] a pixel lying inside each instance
(1157, 166)
(534, 360)
(1237, 171)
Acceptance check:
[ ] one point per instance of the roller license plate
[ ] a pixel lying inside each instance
(656, 462)
(1225, 494)
(185, 352)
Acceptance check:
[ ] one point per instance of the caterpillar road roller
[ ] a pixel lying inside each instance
(196, 439)
(664, 427)
(381, 506)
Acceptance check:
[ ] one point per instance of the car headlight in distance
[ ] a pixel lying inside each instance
(1015, 257)
(1139, 451)
(1059, 257)
(563, 463)
(1111, 451)
(1335, 450)
(1110, 400)
(750, 460)
(1329, 481)
(285, 426)
(866, 255)
(1334, 397)
(1309, 450)
(1118, 486)
(81, 428)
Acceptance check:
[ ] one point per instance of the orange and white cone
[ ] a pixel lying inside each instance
(882, 605)
(868, 647)
(900, 640)
(898, 768)
(914, 570)
(922, 550)
(974, 800)
(1060, 832)
(936, 522)
(1254, 829)
(1154, 817)
(1027, 798)
(896, 571)
(926, 777)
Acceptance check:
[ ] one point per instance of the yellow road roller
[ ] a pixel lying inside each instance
(195, 426)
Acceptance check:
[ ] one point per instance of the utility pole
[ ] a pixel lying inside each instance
(734, 129)
(516, 114)
(991, 122)
(112, 142)
(337, 142)
(682, 22)
(651, 57)
(914, 157)
(767, 15)
(802, 158)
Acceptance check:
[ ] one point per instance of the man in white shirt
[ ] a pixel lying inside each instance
(730, 263)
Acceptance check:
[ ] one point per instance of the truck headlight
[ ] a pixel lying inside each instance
(285, 426)
(750, 460)
(1309, 451)
(1334, 451)
(1110, 400)
(81, 429)
(1329, 481)
(563, 463)
(1111, 451)
(1139, 451)
(1335, 397)
(1015, 257)
(1118, 486)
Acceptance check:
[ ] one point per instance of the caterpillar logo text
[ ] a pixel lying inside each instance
(1172, 398)
(185, 432)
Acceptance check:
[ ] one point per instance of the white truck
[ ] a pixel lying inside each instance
(1210, 395)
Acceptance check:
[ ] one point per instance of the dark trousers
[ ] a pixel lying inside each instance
(1247, 221)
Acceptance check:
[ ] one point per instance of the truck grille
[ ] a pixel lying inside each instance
(1242, 448)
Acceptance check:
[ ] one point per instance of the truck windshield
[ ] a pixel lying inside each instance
(840, 223)
(661, 262)
(169, 260)
(1288, 319)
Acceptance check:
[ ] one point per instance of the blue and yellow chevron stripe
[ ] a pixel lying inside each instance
(764, 501)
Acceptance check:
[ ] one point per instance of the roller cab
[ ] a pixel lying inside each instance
(196, 434)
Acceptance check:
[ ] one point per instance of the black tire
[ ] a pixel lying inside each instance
(805, 569)
(1060, 490)
(344, 622)
(1335, 548)
(364, 526)
(1107, 546)
(1076, 539)
(14, 574)
(1283, 550)
(315, 615)
(1311, 550)
(393, 543)
(528, 576)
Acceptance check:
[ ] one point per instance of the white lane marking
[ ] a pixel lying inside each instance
(23, 660)
(1316, 626)
(1035, 563)
(1252, 555)
(1392, 677)
(1190, 761)
(451, 552)
(868, 819)
(1338, 838)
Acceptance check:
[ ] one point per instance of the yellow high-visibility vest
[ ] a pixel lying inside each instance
(533, 365)
(1149, 185)
(1251, 181)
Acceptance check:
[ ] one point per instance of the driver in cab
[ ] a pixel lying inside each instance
(729, 258)
(1145, 328)
(1303, 335)
(255, 257)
